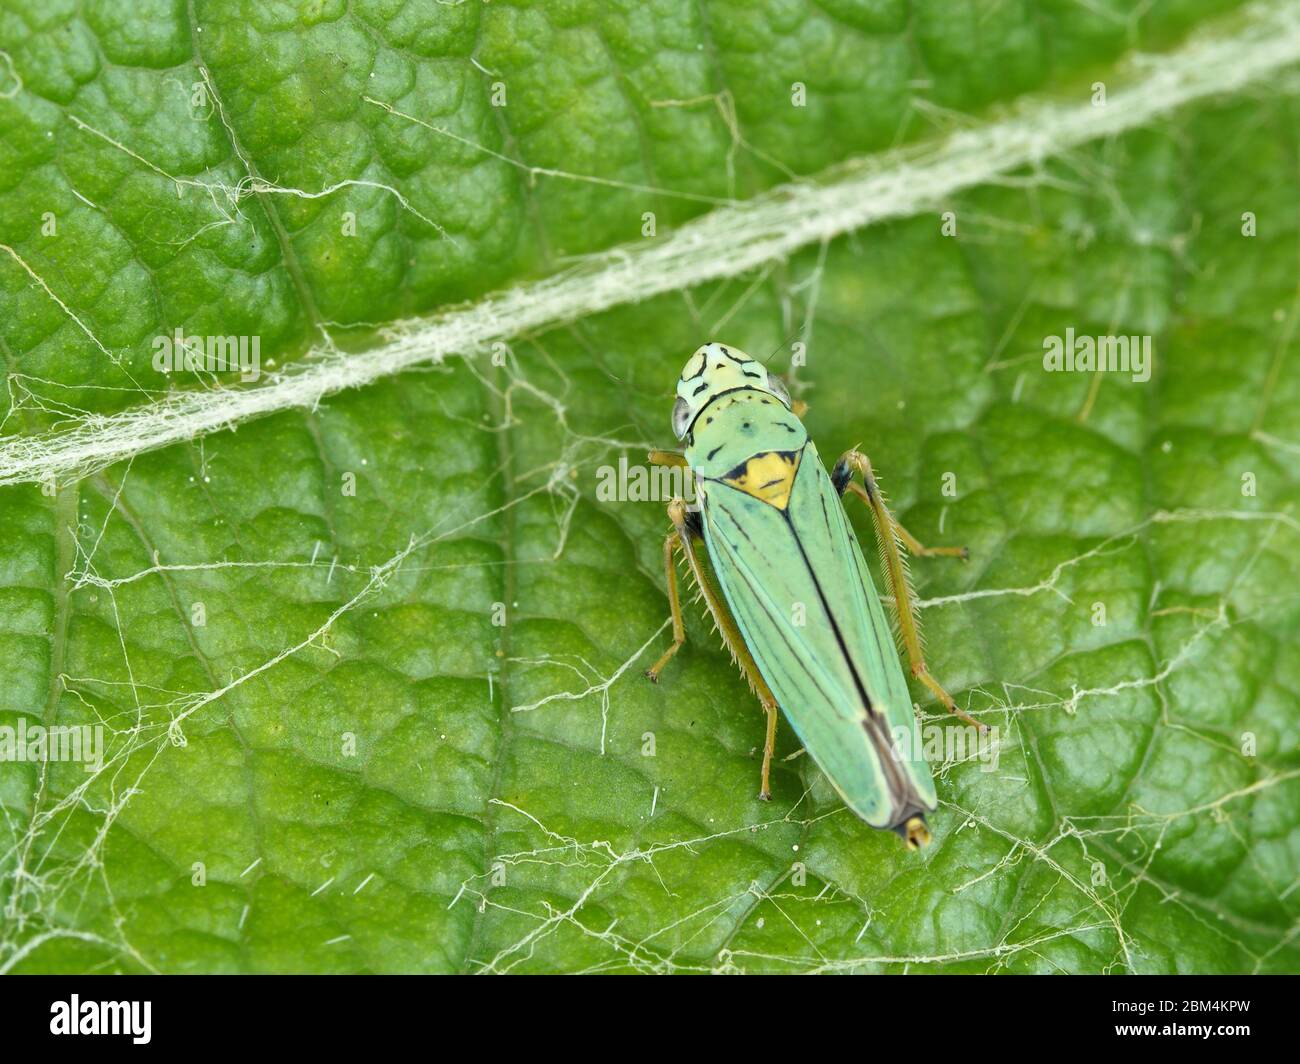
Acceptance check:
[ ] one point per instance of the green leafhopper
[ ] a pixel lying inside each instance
(780, 569)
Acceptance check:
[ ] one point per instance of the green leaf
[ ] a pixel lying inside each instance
(368, 669)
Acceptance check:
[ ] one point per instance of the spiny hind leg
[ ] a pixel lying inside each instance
(769, 745)
(686, 537)
(889, 532)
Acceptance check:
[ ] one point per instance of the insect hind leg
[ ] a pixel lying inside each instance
(870, 493)
(889, 533)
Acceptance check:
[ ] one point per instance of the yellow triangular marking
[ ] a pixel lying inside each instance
(768, 477)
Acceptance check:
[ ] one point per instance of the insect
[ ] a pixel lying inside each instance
(777, 563)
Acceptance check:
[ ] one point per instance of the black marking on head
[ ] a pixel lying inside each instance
(709, 456)
(740, 359)
(747, 392)
(747, 373)
(702, 388)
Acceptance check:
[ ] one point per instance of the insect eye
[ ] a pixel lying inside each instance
(681, 417)
(777, 387)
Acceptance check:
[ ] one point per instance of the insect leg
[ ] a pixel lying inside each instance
(841, 477)
(914, 546)
(672, 542)
(769, 745)
(888, 533)
(666, 458)
(686, 537)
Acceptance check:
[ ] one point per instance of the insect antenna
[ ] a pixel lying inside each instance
(784, 343)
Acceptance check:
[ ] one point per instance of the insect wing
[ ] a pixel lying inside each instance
(802, 596)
